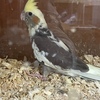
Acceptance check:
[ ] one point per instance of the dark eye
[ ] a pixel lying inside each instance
(30, 14)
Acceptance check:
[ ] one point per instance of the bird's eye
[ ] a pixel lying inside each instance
(30, 14)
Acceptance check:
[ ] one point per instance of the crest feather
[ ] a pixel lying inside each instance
(30, 6)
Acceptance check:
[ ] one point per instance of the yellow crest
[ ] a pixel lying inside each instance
(30, 6)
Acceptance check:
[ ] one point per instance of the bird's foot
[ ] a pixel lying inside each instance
(38, 75)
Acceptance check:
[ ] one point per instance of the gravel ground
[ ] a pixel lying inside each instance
(18, 81)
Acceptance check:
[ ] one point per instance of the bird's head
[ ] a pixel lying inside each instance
(33, 17)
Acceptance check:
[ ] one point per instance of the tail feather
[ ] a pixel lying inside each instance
(93, 73)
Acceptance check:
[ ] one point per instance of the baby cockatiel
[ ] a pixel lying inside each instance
(51, 52)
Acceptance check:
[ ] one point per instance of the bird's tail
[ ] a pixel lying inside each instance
(83, 70)
(92, 73)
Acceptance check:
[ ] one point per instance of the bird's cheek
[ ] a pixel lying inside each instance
(36, 20)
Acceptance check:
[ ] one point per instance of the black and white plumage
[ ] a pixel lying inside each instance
(52, 53)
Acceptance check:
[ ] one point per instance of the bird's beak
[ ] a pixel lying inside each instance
(22, 16)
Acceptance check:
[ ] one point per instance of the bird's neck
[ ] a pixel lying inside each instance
(38, 30)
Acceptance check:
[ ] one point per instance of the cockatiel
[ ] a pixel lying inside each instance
(51, 51)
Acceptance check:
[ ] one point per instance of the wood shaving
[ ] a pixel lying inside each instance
(93, 60)
(15, 84)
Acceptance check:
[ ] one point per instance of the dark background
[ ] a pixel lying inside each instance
(14, 39)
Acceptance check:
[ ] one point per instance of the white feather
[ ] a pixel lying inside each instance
(61, 44)
(54, 55)
(93, 73)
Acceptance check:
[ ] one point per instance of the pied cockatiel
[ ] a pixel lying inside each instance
(52, 48)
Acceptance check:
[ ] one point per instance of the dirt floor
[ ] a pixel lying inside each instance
(17, 83)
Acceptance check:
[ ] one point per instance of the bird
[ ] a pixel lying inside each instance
(52, 48)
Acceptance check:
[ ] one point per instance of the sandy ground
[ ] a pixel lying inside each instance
(17, 83)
